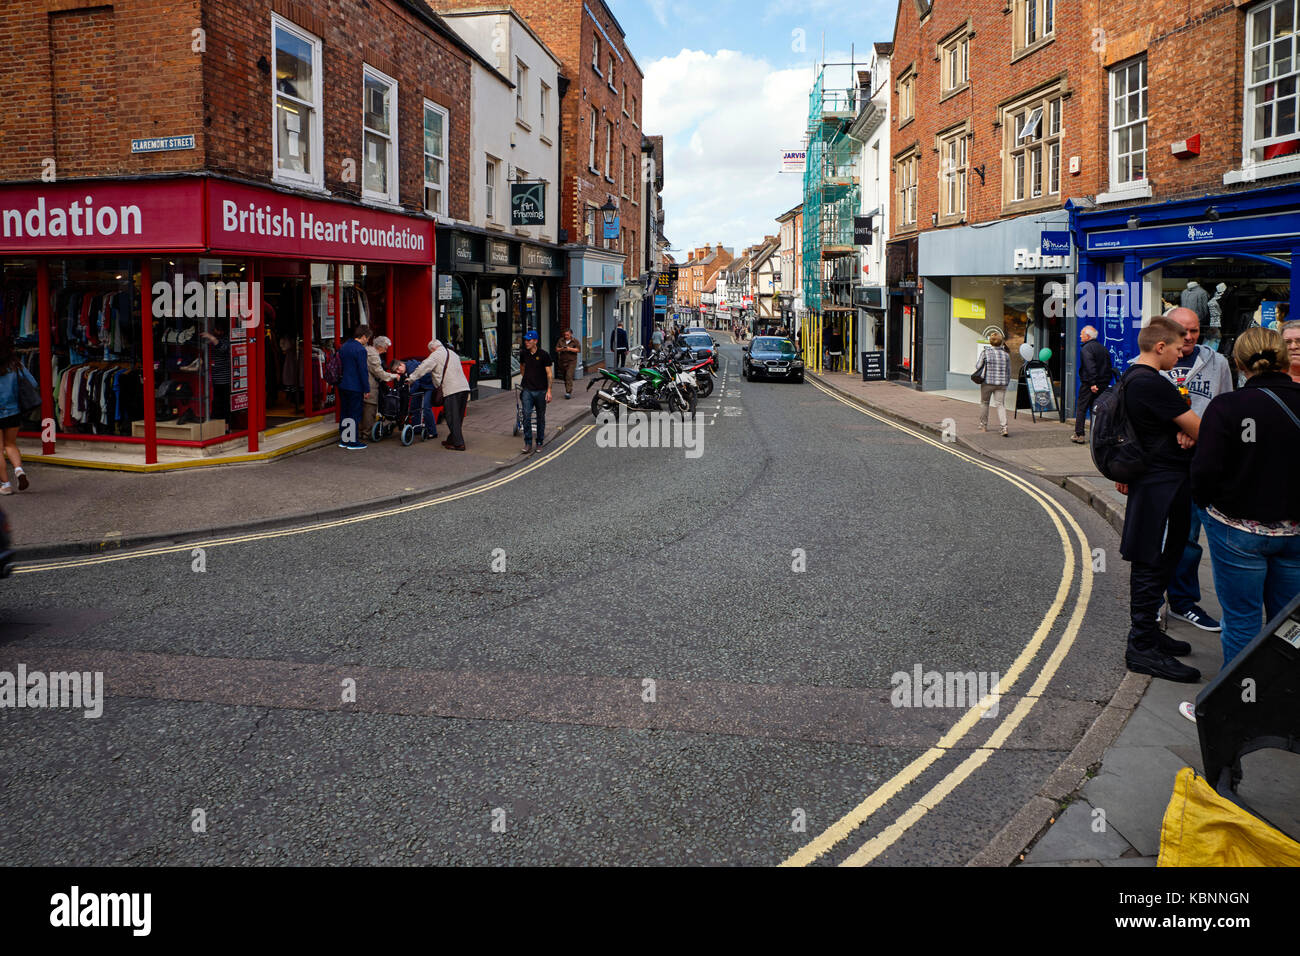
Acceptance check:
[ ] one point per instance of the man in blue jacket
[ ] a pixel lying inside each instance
(354, 385)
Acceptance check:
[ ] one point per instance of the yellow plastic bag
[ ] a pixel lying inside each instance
(1201, 828)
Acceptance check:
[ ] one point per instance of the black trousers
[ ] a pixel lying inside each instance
(1086, 397)
(453, 411)
(620, 358)
(1156, 526)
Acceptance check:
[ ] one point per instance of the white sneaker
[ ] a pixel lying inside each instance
(1188, 710)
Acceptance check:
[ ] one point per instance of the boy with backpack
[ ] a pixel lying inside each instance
(1157, 518)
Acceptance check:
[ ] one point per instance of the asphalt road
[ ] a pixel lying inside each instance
(647, 681)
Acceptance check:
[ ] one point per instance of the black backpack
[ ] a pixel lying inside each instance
(1116, 450)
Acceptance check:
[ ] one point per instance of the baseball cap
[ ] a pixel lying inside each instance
(531, 335)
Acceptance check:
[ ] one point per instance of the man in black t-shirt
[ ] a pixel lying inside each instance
(1156, 521)
(535, 364)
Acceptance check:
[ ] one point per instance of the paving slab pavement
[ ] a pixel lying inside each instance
(79, 511)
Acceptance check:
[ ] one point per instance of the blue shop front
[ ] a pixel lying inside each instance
(1231, 258)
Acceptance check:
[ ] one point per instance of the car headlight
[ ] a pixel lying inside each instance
(797, 363)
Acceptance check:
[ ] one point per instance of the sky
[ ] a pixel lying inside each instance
(726, 85)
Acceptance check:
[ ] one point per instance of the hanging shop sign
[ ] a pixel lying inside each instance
(862, 230)
(528, 204)
(79, 217)
(612, 228)
(1056, 243)
(244, 219)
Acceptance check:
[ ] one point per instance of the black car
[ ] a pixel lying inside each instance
(701, 346)
(771, 357)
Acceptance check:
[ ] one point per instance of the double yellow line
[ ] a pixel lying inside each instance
(137, 553)
(844, 827)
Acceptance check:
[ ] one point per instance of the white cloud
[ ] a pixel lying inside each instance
(725, 117)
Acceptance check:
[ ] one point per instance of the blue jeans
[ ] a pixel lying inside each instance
(1254, 577)
(534, 399)
(1185, 588)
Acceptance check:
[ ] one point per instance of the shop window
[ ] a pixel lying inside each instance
(380, 137)
(1128, 124)
(19, 321)
(591, 331)
(202, 341)
(296, 72)
(489, 344)
(451, 321)
(1032, 172)
(435, 159)
(1272, 71)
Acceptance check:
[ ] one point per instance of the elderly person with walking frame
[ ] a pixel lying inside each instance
(375, 366)
(444, 366)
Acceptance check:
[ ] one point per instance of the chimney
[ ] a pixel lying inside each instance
(690, 255)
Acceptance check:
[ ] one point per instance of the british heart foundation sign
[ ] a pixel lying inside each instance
(101, 217)
(243, 219)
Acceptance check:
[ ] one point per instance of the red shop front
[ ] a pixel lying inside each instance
(198, 312)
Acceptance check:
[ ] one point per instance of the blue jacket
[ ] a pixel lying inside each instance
(9, 391)
(356, 376)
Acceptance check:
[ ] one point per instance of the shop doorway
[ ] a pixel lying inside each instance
(281, 349)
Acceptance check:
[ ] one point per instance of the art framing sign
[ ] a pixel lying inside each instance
(528, 204)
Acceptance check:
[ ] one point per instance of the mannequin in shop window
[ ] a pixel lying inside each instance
(1214, 331)
(1197, 299)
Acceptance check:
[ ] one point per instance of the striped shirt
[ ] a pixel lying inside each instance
(996, 363)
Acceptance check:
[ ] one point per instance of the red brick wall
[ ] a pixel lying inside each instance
(111, 74)
(1195, 60)
(353, 33)
(994, 79)
(79, 81)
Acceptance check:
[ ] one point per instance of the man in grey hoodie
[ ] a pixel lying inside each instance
(1200, 373)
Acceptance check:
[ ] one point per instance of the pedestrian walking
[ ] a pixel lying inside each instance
(1291, 335)
(1159, 503)
(566, 359)
(1200, 374)
(19, 394)
(834, 347)
(444, 366)
(535, 392)
(375, 367)
(993, 372)
(354, 386)
(1095, 374)
(657, 338)
(620, 346)
(1252, 520)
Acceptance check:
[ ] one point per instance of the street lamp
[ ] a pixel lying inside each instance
(608, 210)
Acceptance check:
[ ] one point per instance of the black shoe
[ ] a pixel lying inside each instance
(1173, 648)
(1161, 665)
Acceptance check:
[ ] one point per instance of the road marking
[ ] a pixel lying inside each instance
(150, 552)
(846, 825)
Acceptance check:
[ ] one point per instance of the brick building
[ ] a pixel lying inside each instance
(600, 123)
(1041, 146)
(277, 168)
(992, 112)
(1197, 207)
(701, 265)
